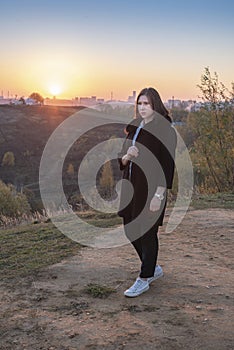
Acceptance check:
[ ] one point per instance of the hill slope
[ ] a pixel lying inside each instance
(24, 130)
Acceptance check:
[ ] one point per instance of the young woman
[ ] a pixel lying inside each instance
(147, 162)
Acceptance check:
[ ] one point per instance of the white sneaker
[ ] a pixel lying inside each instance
(140, 286)
(158, 272)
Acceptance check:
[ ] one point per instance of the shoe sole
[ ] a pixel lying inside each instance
(136, 295)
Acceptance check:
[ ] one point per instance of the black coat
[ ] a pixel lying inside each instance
(153, 167)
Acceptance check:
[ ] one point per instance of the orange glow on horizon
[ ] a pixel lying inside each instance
(70, 78)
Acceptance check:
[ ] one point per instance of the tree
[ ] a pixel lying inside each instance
(106, 180)
(212, 126)
(12, 204)
(22, 100)
(70, 169)
(179, 114)
(37, 97)
(8, 159)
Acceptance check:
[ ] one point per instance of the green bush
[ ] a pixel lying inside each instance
(12, 204)
(211, 150)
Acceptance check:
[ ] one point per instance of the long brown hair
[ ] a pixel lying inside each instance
(155, 102)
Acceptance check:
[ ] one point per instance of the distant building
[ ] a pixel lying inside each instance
(30, 101)
(100, 100)
(132, 98)
(16, 102)
(173, 103)
(188, 105)
(21, 101)
(5, 101)
(58, 102)
(88, 101)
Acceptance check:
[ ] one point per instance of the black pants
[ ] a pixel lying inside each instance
(146, 247)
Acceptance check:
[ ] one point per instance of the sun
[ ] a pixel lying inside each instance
(55, 89)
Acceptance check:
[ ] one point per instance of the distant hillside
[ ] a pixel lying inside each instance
(24, 130)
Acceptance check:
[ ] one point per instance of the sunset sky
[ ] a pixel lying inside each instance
(83, 48)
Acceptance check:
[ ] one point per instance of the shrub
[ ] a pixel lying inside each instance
(8, 159)
(12, 204)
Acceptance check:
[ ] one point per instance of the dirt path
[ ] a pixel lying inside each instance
(191, 307)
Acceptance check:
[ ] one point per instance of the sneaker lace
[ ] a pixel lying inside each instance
(137, 284)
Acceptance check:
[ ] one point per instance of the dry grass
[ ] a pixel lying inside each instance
(27, 248)
(98, 291)
(216, 200)
(37, 243)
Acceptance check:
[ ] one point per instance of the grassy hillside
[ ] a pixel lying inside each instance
(24, 130)
(30, 247)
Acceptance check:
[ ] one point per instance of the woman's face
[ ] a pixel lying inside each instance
(144, 108)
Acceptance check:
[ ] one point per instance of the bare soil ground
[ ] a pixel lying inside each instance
(191, 307)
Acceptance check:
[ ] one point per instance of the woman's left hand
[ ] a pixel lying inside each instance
(155, 204)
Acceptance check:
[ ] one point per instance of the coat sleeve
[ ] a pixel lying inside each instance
(167, 157)
(129, 129)
(120, 155)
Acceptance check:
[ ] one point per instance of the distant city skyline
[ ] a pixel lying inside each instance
(80, 99)
(92, 101)
(78, 48)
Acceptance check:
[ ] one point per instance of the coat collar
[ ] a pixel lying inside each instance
(131, 127)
